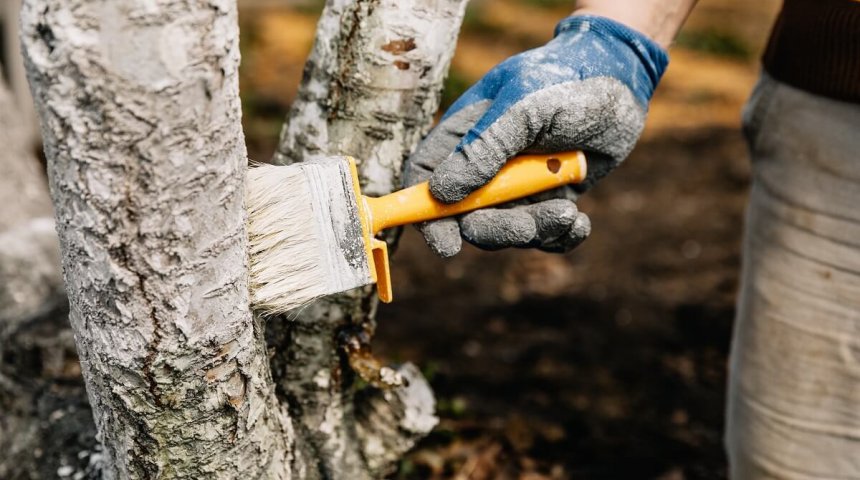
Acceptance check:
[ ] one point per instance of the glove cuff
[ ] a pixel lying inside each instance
(653, 57)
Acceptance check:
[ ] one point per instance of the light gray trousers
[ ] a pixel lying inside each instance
(794, 388)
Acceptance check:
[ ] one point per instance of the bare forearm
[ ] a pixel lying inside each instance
(658, 19)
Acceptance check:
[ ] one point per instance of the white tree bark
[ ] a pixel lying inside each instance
(372, 84)
(371, 87)
(141, 124)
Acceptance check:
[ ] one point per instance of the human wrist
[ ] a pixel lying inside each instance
(659, 20)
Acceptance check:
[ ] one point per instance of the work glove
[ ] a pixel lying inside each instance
(587, 89)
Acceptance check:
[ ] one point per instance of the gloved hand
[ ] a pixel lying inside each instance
(587, 89)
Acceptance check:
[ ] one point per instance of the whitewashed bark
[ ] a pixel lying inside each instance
(142, 134)
(390, 421)
(371, 87)
(372, 84)
(141, 124)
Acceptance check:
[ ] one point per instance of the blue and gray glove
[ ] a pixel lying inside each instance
(587, 89)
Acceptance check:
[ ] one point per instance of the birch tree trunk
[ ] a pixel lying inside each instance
(371, 87)
(141, 124)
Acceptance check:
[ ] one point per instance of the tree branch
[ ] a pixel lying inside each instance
(370, 90)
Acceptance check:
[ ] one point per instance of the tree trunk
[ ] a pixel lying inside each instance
(141, 123)
(370, 89)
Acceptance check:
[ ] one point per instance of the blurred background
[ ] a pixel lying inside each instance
(606, 363)
(609, 362)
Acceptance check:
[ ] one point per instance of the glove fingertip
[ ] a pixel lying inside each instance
(450, 184)
(578, 232)
(553, 217)
(581, 227)
(443, 237)
(446, 189)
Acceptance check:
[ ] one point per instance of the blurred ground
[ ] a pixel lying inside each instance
(607, 363)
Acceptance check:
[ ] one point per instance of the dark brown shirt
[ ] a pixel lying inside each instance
(815, 46)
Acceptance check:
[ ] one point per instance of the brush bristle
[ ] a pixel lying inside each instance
(285, 259)
(303, 231)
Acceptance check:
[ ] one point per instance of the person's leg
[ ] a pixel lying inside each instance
(794, 388)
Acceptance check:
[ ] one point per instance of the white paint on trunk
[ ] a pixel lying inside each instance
(391, 420)
(371, 88)
(141, 123)
(372, 85)
(146, 158)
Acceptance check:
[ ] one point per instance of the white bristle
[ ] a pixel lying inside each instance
(301, 234)
(284, 256)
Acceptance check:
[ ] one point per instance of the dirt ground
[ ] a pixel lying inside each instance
(609, 362)
(605, 363)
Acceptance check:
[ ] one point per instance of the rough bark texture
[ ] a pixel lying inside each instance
(141, 124)
(370, 89)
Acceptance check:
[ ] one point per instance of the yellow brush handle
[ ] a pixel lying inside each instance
(520, 177)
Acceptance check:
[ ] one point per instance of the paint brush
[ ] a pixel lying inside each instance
(312, 233)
